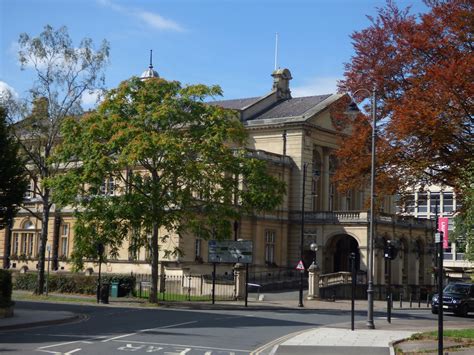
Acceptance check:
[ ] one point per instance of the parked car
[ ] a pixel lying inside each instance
(457, 298)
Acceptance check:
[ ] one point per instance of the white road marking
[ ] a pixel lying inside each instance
(72, 335)
(73, 351)
(147, 330)
(60, 344)
(118, 337)
(180, 345)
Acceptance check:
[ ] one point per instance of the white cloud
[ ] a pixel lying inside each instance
(6, 91)
(91, 98)
(158, 22)
(152, 19)
(316, 86)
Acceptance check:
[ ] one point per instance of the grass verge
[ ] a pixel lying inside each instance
(460, 339)
(26, 296)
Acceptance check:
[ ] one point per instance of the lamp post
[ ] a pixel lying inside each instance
(48, 248)
(100, 252)
(305, 167)
(370, 241)
(303, 194)
(314, 247)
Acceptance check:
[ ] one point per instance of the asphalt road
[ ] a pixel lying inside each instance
(114, 330)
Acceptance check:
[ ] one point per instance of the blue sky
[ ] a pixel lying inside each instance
(228, 42)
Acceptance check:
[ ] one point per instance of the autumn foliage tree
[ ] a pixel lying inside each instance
(422, 68)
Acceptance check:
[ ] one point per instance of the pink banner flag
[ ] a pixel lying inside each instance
(443, 227)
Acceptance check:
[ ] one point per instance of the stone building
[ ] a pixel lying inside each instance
(288, 133)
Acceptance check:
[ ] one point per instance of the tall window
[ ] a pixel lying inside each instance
(31, 238)
(316, 181)
(435, 201)
(64, 239)
(30, 190)
(332, 190)
(197, 248)
(333, 203)
(270, 246)
(422, 203)
(23, 246)
(448, 202)
(16, 238)
(349, 200)
(108, 186)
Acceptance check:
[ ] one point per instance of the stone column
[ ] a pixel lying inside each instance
(313, 282)
(239, 279)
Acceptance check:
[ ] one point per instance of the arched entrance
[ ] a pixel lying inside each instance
(338, 251)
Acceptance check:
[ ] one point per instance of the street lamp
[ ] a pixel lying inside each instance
(370, 241)
(100, 252)
(48, 248)
(303, 194)
(314, 247)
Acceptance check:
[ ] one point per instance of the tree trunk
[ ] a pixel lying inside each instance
(7, 243)
(56, 232)
(43, 241)
(154, 264)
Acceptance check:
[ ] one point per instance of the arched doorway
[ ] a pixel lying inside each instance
(339, 249)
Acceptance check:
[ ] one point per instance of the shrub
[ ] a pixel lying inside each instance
(25, 281)
(75, 283)
(5, 289)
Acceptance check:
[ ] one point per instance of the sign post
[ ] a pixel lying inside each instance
(231, 252)
(439, 244)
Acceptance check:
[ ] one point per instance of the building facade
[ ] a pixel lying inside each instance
(289, 134)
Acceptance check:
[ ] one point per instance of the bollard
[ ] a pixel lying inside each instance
(419, 300)
(427, 300)
(411, 300)
(401, 300)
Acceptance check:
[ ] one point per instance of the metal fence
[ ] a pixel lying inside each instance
(187, 287)
(276, 279)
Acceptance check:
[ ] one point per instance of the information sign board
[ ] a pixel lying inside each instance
(230, 251)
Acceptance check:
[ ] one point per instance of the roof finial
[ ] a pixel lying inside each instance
(150, 72)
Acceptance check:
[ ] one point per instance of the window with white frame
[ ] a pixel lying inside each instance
(31, 238)
(23, 246)
(64, 239)
(349, 200)
(448, 202)
(331, 197)
(422, 203)
(30, 190)
(198, 248)
(270, 246)
(15, 243)
(108, 186)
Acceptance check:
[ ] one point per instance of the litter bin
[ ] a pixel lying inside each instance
(104, 293)
(114, 289)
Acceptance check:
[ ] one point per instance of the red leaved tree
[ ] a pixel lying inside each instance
(422, 68)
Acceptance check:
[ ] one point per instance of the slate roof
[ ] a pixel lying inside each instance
(237, 104)
(282, 109)
(291, 107)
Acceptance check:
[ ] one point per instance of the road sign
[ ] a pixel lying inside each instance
(300, 265)
(230, 251)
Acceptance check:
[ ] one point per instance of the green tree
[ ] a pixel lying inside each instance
(63, 74)
(463, 233)
(176, 162)
(13, 183)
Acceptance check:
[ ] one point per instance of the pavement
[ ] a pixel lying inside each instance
(320, 340)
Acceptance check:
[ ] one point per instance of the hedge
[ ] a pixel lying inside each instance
(74, 283)
(5, 289)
